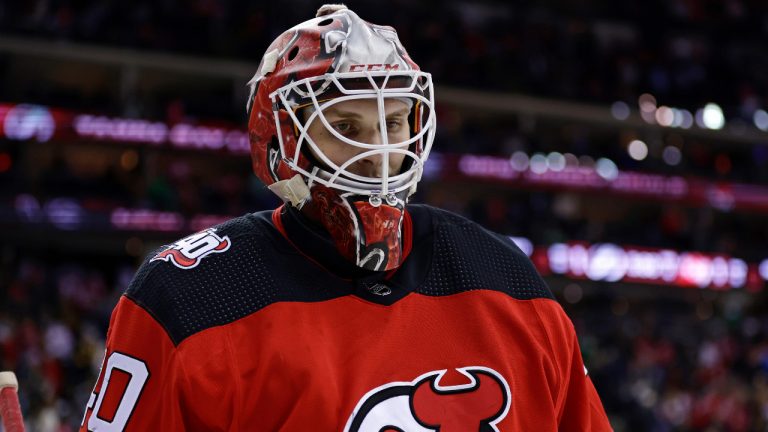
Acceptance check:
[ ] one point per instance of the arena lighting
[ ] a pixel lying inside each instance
(519, 161)
(620, 110)
(603, 175)
(28, 208)
(637, 150)
(151, 220)
(556, 161)
(665, 116)
(672, 155)
(539, 164)
(583, 177)
(671, 117)
(488, 166)
(202, 137)
(711, 117)
(607, 169)
(24, 121)
(613, 263)
(68, 214)
(647, 103)
(40, 123)
(686, 120)
(143, 220)
(677, 117)
(119, 129)
(607, 262)
(760, 117)
(64, 213)
(181, 135)
(721, 197)
(764, 269)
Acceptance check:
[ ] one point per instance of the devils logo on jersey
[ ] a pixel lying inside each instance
(187, 252)
(424, 405)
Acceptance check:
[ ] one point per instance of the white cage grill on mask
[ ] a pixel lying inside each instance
(322, 92)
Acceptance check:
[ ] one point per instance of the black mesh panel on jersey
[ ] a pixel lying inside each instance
(450, 255)
(467, 257)
(228, 286)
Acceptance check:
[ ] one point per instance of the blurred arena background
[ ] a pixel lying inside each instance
(623, 145)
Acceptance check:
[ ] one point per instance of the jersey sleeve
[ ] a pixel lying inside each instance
(141, 380)
(578, 405)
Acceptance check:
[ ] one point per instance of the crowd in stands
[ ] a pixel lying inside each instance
(187, 184)
(503, 135)
(589, 51)
(685, 52)
(53, 318)
(671, 366)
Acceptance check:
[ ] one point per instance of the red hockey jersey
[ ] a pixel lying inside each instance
(243, 327)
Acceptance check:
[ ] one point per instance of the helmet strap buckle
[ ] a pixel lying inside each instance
(293, 191)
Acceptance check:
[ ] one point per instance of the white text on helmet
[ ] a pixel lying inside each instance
(373, 67)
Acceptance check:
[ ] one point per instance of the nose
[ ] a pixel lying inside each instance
(372, 164)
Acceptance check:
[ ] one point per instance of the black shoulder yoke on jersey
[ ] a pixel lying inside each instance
(450, 255)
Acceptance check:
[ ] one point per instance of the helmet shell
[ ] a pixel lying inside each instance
(337, 43)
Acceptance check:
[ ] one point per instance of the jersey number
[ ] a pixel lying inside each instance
(138, 372)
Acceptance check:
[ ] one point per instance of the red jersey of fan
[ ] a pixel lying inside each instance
(257, 325)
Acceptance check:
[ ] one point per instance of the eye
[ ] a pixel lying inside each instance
(394, 124)
(343, 128)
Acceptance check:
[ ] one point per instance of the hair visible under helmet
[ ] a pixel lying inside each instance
(327, 60)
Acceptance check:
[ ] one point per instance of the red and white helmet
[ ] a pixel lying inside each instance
(327, 60)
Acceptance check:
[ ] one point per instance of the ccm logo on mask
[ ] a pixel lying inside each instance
(373, 67)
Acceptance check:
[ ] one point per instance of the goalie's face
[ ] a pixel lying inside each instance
(358, 120)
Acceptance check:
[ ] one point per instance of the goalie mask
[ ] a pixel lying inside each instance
(338, 62)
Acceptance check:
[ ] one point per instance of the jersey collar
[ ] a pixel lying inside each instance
(312, 241)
